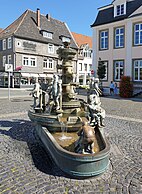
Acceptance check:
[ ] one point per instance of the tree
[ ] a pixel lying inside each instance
(101, 71)
(126, 87)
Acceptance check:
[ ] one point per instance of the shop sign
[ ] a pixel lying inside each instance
(8, 67)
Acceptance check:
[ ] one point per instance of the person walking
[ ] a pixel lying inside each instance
(111, 88)
(115, 89)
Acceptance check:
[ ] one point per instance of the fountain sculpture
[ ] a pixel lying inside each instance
(71, 129)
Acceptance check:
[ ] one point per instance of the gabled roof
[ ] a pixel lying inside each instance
(26, 27)
(1, 29)
(106, 16)
(12, 27)
(82, 39)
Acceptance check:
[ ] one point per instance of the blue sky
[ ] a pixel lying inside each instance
(78, 14)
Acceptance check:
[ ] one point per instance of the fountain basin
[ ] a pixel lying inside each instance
(75, 164)
(52, 122)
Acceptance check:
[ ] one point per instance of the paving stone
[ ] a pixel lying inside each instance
(27, 168)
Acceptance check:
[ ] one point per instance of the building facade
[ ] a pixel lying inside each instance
(30, 44)
(84, 62)
(117, 41)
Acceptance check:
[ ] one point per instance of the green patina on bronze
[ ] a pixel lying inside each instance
(85, 151)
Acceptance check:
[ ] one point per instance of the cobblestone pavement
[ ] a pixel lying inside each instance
(25, 168)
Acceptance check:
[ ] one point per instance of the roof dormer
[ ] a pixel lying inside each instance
(119, 7)
(46, 34)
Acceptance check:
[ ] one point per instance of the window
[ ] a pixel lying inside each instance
(65, 39)
(48, 63)
(138, 70)
(47, 34)
(87, 53)
(90, 53)
(138, 34)
(80, 66)
(32, 61)
(80, 52)
(9, 43)
(90, 67)
(4, 60)
(85, 67)
(119, 37)
(9, 59)
(25, 61)
(4, 44)
(105, 63)
(104, 40)
(50, 48)
(118, 70)
(19, 44)
(29, 61)
(120, 10)
(45, 63)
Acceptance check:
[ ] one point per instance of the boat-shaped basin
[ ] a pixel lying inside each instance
(75, 164)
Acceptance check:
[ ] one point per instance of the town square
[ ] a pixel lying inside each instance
(25, 167)
(70, 102)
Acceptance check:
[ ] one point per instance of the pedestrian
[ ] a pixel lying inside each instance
(111, 88)
(115, 89)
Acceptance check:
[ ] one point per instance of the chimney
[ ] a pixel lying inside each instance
(38, 18)
(48, 16)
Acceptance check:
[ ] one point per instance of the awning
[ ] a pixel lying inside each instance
(2, 74)
(25, 75)
(34, 75)
(49, 75)
(42, 75)
(18, 68)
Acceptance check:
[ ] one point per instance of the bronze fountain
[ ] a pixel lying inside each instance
(71, 129)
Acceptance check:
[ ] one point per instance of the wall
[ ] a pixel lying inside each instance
(127, 53)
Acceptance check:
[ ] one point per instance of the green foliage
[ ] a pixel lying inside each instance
(126, 87)
(101, 71)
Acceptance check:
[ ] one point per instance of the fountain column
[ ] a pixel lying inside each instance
(69, 104)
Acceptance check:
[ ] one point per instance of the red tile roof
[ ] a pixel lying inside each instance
(82, 39)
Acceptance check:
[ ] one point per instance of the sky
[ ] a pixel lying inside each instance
(77, 14)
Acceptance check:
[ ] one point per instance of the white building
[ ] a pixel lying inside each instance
(117, 40)
(84, 62)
